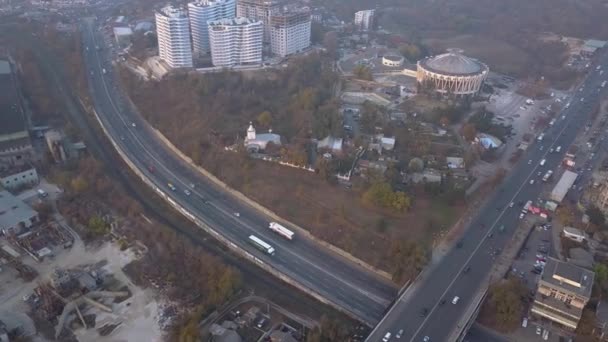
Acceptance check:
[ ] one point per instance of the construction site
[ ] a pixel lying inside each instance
(72, 298)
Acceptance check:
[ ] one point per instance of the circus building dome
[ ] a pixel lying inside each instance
(452, 72)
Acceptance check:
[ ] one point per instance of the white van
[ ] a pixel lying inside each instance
(542, 162)
(524, 323)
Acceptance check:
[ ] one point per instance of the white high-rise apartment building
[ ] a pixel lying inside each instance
(289, 32)
(364, 19)
(260, 10)
(236, 41)
(200, 13)
(173, 33)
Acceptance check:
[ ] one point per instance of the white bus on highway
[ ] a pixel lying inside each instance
(279, 229)
(261, 245)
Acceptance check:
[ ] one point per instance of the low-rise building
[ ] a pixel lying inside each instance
(18, 177)
(15, 215)
(563, 291)
(574, 234)
(257, 142)
(123, 35)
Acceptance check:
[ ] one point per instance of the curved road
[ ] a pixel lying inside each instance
(347, 286)
(421, 312)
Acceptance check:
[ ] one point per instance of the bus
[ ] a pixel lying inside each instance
(261, 245)
(279, 229)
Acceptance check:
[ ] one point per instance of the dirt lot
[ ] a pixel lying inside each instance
(336, 214)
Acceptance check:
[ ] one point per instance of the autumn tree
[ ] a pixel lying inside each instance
(264, 119)
(503, 306)
(363, 72)
(415, 165)
(382, 195)
(408, 258)
(469, 132)
(596, 216)
(411, 51)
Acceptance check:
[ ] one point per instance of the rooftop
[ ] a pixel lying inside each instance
(568, 277)
(13, 210)
(123, 31)
(594, 43)
(453, 63)
(173, 12)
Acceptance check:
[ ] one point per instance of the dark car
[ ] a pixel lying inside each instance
(424, 312)
(466, 269)
(442, 302)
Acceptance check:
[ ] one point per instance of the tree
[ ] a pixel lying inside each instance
(469, 131)
(601, 276)
(371, 116)
(415, 165)
(330, 43)
(596, 216)
(407, 259)
(363, 72)
(411, 52)
(382, 195)
(97, 226)
(265, 118)
(504, 306)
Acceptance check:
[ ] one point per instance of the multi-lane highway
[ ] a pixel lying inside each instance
(426, 310)
(352, 288)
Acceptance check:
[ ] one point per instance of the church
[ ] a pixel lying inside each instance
(257, 142)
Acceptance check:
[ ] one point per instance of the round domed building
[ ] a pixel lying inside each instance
(452, 73)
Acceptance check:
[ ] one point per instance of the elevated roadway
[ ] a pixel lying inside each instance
(353, 289)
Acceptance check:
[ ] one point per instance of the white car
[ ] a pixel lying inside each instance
(521, 216)
(511, 204)
(426, 339)
(386, 337)
(187, 192)
(538, 330)
(133, 124)
(237, 214)
(455, 300)
(531, 181)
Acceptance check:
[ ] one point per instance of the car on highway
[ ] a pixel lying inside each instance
(151, 168)
(426, 339)
(133, 124)
(399, 333)
(192, 185)
(455, 300)
(521, 216)
(531, 181)
(511, 204)
(530, 162)
(466, 269)
(542, 162)
(538, 330)
(386, 337)
(171, 186)
(187, 192)
(237, 214)
(424, 312)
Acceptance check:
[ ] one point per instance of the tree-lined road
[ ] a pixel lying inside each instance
(350, 287)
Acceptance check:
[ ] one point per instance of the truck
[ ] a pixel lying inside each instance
(281, 230)
(547, 175)
(526, 207)
(563, 185)
(572, 152)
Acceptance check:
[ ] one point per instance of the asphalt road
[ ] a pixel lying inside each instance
(356, 290)
(446, 280)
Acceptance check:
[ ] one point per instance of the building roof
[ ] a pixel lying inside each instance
(594, 43)
(144, 26)
(11, 117)
(488, 141)
(575, 232)
(5, 67)
(455, 162)
(387, 143)
(123, 31)
(332, 143)
(568, 277)
(453, 63)
(13, 211)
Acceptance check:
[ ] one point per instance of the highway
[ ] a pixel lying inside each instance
(426, 309)
(357, 291)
